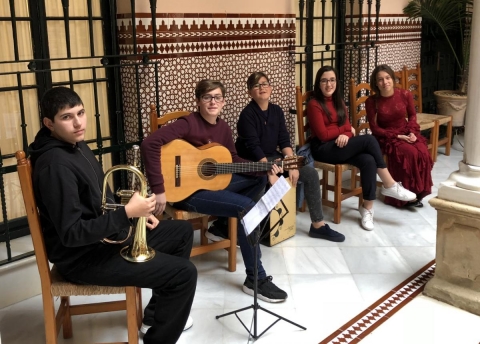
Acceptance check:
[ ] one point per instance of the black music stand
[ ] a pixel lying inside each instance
(254, 240)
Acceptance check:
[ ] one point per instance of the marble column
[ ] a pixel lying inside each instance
(457, 275)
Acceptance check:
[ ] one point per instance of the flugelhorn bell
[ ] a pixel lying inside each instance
(138, 251)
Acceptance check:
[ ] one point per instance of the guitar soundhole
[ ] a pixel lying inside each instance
(207, 169)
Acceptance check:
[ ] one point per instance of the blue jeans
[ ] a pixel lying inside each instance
(231, 202)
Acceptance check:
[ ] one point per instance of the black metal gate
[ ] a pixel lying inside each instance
(337, 33)
(34, 67)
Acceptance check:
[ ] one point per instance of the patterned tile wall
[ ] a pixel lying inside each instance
(225, 47)
(398, 43)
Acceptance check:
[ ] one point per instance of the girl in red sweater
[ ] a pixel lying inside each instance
(333, 141)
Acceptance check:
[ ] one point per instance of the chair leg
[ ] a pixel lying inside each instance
(232, 250)
(132, 320)
(51, 330)
(435, 133)
(67, 318)
(324, 184)
(303, 208)
(337, 195)
(448, 145)
(353, 183)
(203, 230)
(139, 307)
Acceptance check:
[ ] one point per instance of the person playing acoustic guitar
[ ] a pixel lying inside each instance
(261, 129)
(201, 128)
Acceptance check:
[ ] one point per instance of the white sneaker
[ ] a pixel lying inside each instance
(399, 192)
(189, 324)
(367, 218)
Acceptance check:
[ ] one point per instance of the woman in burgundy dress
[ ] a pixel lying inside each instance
(393, 120)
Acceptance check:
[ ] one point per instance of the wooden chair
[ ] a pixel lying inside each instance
(53, 285)
(199, 221)
(399, 79)
(339, 193)
(413, 83)
(359, 94)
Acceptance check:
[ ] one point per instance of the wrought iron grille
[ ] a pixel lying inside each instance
(340, 33)
(44, 53)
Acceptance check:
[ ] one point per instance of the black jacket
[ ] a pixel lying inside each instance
(67, 182)
(261, 132)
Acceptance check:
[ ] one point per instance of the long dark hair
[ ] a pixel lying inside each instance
(336, 96)
(373, 77)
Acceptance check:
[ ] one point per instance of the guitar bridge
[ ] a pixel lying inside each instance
(177, 171)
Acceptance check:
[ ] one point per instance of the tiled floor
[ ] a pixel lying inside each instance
(328, 284)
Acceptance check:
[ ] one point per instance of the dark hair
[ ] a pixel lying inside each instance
(206, 85)
(57, 99)
(336, 96)
(254, 78)
(373, 77)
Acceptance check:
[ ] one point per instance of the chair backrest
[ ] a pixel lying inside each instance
(358, 95)
(25, 176)
(413, 83)
(302, 121)
(156, 122)
(399, 79)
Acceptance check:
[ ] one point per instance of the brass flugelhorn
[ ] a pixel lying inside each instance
(138, 251)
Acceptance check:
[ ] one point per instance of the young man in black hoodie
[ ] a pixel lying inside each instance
(67, 181)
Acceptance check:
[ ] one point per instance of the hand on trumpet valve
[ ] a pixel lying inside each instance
(139, 206)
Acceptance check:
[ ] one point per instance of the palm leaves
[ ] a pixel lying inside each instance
(451, 16)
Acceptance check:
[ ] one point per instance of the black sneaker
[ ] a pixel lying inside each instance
(325, 232)
(266, 290)
(215, 233)
(218, 231)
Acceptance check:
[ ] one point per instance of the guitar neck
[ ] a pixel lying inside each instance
(243, 167)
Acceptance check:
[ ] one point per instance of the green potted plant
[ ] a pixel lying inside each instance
(453, 18)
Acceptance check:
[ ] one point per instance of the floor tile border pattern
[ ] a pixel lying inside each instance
(376, 314)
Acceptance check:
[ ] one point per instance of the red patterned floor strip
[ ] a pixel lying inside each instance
(381, 310)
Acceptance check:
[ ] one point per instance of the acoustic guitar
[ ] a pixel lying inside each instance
(187, 169)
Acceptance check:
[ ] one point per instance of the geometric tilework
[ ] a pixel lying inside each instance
(199, 34)
(364, 323)
(268, 46)
(398, 44)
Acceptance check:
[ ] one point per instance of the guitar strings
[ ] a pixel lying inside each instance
(228, 167)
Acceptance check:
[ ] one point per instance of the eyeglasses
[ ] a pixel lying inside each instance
(207, 98)
(326, 81)
(263, 84)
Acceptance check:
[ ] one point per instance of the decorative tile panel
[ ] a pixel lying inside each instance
(227, 48)
(398, 44)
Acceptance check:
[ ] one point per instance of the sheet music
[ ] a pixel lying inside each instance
(265, 204)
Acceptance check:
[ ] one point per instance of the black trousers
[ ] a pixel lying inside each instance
(361, 151)
(170, 275)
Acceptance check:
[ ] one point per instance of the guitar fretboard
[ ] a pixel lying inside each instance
(241, 167)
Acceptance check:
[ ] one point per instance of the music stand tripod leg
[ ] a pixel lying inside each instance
(257, 237)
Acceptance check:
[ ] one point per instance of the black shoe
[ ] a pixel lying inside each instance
(216, 233)
(416, 204)
(325, 232)
(266, 290)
